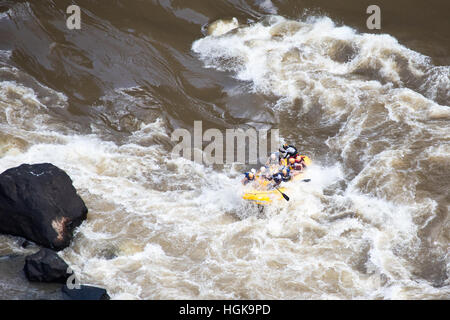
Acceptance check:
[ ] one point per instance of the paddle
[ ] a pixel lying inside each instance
(284, 196)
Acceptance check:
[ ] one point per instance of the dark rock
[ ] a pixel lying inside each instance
(15, 286)
(38, 202)
(46, 266)
(85, 293)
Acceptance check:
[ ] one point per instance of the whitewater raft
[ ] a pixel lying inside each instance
(265, 197)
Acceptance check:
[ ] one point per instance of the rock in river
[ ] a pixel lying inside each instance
(38, 202)
(46, 266)
(85, 293)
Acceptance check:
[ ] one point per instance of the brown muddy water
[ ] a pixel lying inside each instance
(370, 107)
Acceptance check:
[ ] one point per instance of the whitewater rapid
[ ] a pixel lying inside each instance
(168, 228)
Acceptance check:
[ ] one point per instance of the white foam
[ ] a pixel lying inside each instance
(268, 6)
(163, 228)
(347, 73)
(294, 59)
(221, 27)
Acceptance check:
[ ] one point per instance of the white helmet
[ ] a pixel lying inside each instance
(253, 171)
(273, 156)
(263, 169)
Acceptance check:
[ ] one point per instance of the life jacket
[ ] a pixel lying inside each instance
(289, 160)
(289, 152)
(301, 161)
(277, 178)
(247, 175)
(286, 177)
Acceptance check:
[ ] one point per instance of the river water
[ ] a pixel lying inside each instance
(370, 108)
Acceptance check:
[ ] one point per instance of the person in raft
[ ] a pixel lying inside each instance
(284, 175)
(288, 151)
(295, 168)
(249, 177)
(274, 160)
(300, 161)
(263, 172)
(276, 179)
(297, 165)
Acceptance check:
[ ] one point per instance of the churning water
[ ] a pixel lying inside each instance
(370, 109)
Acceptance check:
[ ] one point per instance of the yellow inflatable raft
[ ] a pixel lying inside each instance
(265, 197)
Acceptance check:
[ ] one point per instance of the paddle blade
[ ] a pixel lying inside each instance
(284, 196)
(306, 180)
